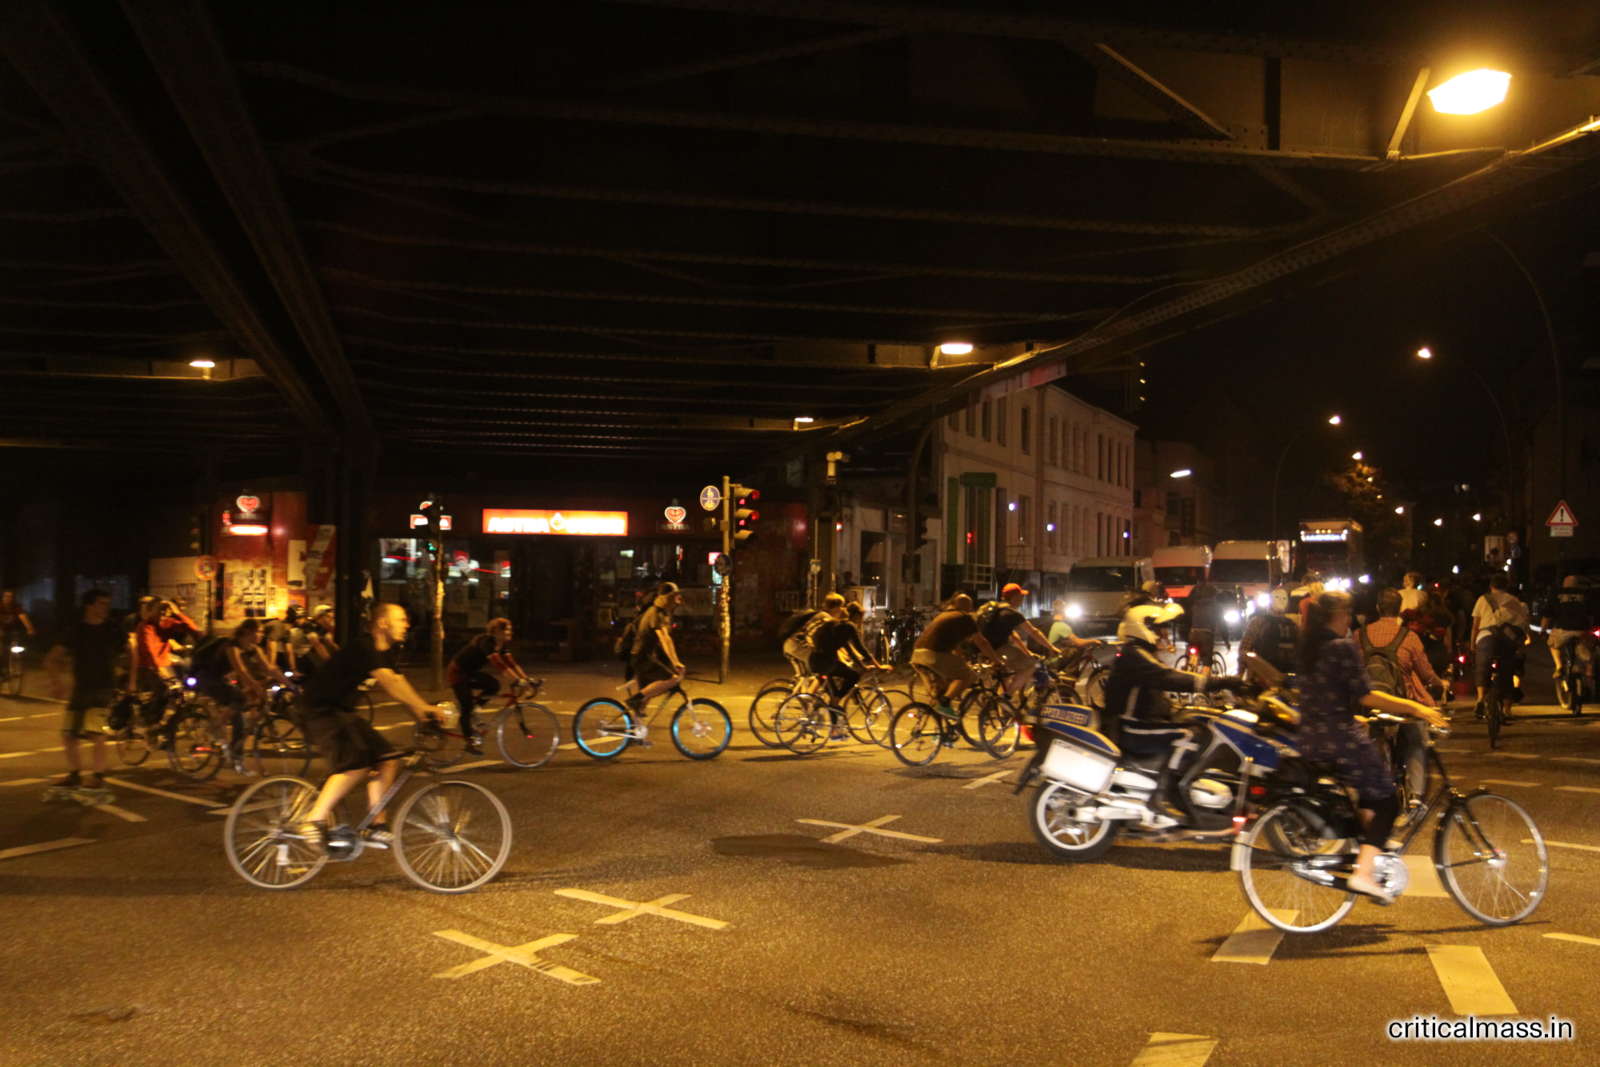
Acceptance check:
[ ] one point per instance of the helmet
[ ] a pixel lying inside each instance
(1144, 622)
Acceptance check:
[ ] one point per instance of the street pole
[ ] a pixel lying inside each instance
(437, 642)
(724, 605)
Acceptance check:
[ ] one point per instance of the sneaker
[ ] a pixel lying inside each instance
(72, 781)
(1372, 890)
(315, 834)
(474, 747)
(946, 710)
(377, 836)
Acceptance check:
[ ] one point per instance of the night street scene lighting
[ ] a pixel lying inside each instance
(502, 505)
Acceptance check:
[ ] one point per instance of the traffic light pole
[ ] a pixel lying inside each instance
(724, 607)
(436, 642)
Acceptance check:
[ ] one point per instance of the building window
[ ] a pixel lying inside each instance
(1055, 441)
(1025, 429)
(1022, 519)
(984, 419)
(1000, 421)
(955, 420)
(1100, 439)
(972, 419)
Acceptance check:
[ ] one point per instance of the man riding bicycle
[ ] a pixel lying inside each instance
(654, 658)
(935, 654)
(1499, 622)
(471, 681)
(1008, 633)
(355, 751)
(1568, 626)
(830, 641)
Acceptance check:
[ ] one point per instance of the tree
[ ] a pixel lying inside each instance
(1369, 500)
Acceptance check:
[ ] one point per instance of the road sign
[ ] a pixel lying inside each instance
(205, 568)
(722, 565)
(1562, 521)
(711, 498)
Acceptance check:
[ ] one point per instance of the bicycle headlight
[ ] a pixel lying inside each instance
(1074, 611)
(1231, 616)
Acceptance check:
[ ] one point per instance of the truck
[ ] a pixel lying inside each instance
(1334, 549)
(1179, 568)
(1098, 587)
(1255, 567)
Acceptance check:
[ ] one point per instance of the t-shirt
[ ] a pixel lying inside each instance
(94, 653)
(1412, 599)
(999, 622)
(835, 635)
(337, 681)
(648, 628)
(1496, 609)
(947, 630)
(473, 657)
(1570, 611)
(1060, 630)
(1330, 693)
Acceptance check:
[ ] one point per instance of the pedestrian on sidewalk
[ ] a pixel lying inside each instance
(82, 667)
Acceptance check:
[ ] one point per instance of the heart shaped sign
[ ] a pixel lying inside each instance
(249, 504)
(675, 514)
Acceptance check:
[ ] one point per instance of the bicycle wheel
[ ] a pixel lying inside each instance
(452, 836)
(260, 838)
(701, 729)
(975, 706)
(13, 673)
(601, 728)
(279, 747)
(1000, 729)
(133, 749)
(802, 723)
(528, 734)
(196, 747)
(1491, 714)
(1288, 870)
(916, 734)
(867, 714)
(1491, 858)
(761, 708)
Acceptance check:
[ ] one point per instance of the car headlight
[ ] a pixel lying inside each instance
(1230, 616)
(1074, 611)
(1263, 601)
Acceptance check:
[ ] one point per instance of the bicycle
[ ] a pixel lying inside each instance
(1501, 692)
(700, 728)
(806, 721)
(1296, 859)
(917, 733)
(272, 742)
(431, 840)
(1574, 682)
(771, 694)
(527, 732)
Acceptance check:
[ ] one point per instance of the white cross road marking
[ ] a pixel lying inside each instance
(1469, 981)
(986, 779)
(46, 714)
(632, 909)
(1579, 938)
(849, 830)
(1507, 781)
(122, 813)
(1563, 844)
(1175, 1050)
(153, 791)
(1424, 878)
(16, 755)
(1254, 940)
(1576, 789)
(12, 718)
(44, 846)
(521, 955)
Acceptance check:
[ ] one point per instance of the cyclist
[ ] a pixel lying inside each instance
(355, 751)
(1061, 635)
(935, 653)
(1568, 623)
(796, 629)
(279, 638)
(654, 658)
(471, 681)
(1498, 619)
(89, 649)
(319, 637)
(1008, 632)
(14, 622)
(230, 670)
(160, 622)
(1333, 680)
(831, 639)
(1272, 634)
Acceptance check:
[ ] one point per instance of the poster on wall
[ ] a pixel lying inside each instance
(320, 561)
(249, 593)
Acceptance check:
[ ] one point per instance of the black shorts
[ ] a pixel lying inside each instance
(647, 670)
(80, 703)
(346, 740)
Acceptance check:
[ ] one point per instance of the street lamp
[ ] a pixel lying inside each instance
(1184, 473)
(1469, 93)
(1438, 522)
(1401, 510)
(1357, 456)
(1277, 474)
(956, 348)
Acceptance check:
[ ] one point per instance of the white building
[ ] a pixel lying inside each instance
(1028, 483)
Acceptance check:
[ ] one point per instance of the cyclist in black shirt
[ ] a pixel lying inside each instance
(834, 635)
(355, 751)
(89, 648)
(1568, 623)
(654, 658)
(1004, 627)
(470, 679)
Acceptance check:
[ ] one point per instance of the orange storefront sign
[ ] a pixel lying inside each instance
(545, 521)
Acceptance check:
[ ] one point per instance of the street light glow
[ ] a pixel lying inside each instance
(1357, 456)
(1424, 352)
(1335, 420)
(1401, 510)
(1438, 522)
(1469, 93)
(956, 348)
(202, 364)
(1477, 516)
(804, 419)
(1184, 473)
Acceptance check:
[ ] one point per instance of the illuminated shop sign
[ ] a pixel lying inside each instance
(1342, 535)
(250, 519)
(542, 521)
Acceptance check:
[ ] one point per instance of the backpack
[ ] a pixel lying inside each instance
(985, 617)
(211, 657)
(1384, 673)
(794, 623)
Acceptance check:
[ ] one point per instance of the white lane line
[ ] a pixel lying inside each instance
(476, 765)
(1574, 759)
(1469, 981)
(522, 955)
(1518, 755)
(1175, 1050)
(986, 779)
(16, 755)
(58, 748)
(122, 813)
(47, 714)
(1253, 940)
(631, 909)
(849, 830)
(1424, 878)
(1576, 789)
(1458, 751)
(44, 846)
(12, 718)
(1563, 844)
(153, 791)
(1507, 781)
(1579, 938)
(24, 781)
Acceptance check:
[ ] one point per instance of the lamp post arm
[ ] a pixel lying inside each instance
(1555, 362)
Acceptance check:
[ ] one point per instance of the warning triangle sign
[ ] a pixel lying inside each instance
(1562, 516)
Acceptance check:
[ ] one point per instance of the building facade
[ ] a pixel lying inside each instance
(1172, 510)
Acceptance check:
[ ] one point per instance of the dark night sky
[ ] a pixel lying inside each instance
(1240, 388)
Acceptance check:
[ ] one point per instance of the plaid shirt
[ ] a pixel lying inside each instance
(1413, 660)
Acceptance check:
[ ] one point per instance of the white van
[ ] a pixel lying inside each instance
(1256, 567)
(1098, 587)
(1179, 568)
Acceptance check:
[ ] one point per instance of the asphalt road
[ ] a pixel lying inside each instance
(133, 942)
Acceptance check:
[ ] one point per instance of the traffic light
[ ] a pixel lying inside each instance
(197, 522)
(744, 511)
